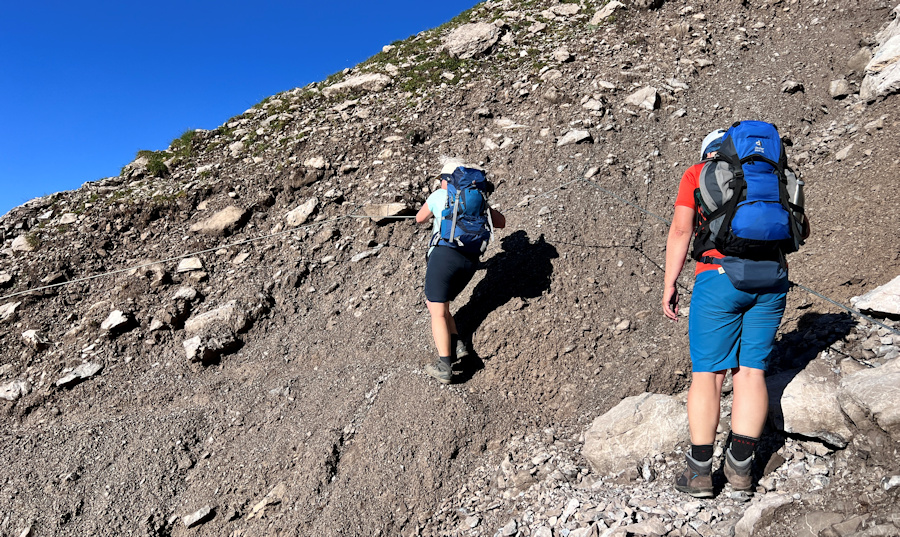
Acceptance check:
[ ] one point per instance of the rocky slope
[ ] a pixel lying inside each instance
(219, 342)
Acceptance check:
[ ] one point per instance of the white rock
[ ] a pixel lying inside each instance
(882, 300)
(116, 319)
(470, 40)
(638, 427)
(68, 218)
(22, 244)
(873, 394)
(843, 153)
(35, 339)
(236, 148)
(13, 391)
(299, 215)
(228, 315)
(222, 223)
(198, 517)
(806, 403)
(189, 264)
(317, 163)
(368, 82)
(8, 311)
(605, 12)
(758, 512)
(565, 10)
(82, 372)
(185, 293)
(647, 98)
(574, 137)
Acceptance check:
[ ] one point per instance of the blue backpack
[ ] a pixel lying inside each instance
(745, 211)
(466, 220)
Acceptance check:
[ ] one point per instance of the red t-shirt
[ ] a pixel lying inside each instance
(690, 182)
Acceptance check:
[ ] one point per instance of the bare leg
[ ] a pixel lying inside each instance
(751, 401)
(442, 325)
(703, 405)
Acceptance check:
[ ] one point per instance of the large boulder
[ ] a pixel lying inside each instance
(368, 82)
(638, 427)
(883, 71)
(471, 40)
(881, 300)
(806, 403)
(223, 223)
(872, 397)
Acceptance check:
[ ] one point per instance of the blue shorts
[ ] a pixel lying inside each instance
(730, 328)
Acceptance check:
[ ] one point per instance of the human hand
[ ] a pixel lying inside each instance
(670, 302)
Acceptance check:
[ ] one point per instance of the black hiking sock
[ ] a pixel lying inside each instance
(446, 359)
(702, 453)
(742, 447)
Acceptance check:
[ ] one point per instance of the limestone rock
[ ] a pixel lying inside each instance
(274, 497)
(300, 215)
(565, 10)
(189, 264)
(471, 40)
(68, 218)
(117, 321)
(884, 300)
(638, 427)
(15, 390)
(758, 513)
(883, 71)
(791, 86)
(80, 373)
(368, 82)
(204, 514)
(839, 89)
(23, 243)
(873, 394)
(806, 403)
(574, 137)
(35, 339)
(223, 223)
(381, 212)
(605, 12)
(8, 312)
(646, 98)
(228, 315)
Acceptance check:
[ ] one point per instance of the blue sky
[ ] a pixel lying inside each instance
(85, 85)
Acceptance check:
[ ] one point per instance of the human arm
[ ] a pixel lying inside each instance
(424, 214)
(680, 233)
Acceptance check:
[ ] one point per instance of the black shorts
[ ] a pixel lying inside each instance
(449, 272)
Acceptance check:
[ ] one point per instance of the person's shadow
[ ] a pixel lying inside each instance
(521, 270)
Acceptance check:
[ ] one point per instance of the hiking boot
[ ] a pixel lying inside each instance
(696, 479)
(440, 370)
(738, 472)
(461, 350)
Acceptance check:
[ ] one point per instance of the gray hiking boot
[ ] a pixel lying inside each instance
(696, 479)
(461, 350)
(738, 473)
(440, 371)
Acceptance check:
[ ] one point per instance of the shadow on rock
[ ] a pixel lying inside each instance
(815, 333)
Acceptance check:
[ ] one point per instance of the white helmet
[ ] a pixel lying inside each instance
(710, 138)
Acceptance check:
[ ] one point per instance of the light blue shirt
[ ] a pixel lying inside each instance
(436, 202)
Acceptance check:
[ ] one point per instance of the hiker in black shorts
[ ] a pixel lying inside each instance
(449, 271)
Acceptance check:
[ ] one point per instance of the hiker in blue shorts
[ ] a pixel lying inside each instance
(729, 330)
(449, 271)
